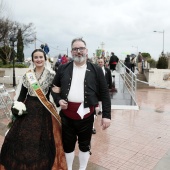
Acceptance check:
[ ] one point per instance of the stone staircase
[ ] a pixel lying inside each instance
(141, 85)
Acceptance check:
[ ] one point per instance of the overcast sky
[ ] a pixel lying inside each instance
(124, 26)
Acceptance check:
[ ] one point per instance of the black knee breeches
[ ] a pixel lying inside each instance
(73, 130)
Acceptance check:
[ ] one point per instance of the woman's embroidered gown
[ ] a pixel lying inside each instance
(34, 140)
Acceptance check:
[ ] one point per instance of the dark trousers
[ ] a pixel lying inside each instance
(73, 130)
(113, 67)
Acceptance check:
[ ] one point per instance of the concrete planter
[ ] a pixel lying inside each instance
(6, 74)
(157, 78)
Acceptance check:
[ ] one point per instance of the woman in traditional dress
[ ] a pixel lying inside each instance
(34, 139)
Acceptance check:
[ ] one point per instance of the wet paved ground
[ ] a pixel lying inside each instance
(136, 139)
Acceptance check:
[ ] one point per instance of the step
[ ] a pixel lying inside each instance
(142, 79)
(143, 85)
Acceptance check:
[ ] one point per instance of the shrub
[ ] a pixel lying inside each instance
(162, 63)
(152, 62)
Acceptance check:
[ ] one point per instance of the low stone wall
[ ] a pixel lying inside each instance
(155, 77)
(2, 73)
(7, 76)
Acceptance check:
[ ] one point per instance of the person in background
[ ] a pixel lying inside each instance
(42, 46)
(108, 77)
(133, 63)
(113, 61)
(77, 87)
(58, 62)
(139, 61)
(127, 63)
(34, 140)
(64, 59)
(46, 49)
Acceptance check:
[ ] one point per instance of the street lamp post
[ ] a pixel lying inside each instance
(163, 39)
(12, 42)
(35, 39)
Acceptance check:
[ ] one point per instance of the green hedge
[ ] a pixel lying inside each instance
(16, 66)
(11, 65)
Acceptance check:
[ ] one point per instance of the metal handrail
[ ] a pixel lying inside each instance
(129, 79)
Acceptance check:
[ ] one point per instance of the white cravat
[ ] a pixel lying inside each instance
(103, 70)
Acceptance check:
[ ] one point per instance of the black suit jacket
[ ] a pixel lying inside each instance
(108, 77)
(95, 86)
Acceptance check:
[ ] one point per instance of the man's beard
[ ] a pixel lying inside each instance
(79, 59)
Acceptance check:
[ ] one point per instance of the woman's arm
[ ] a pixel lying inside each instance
(23, 94)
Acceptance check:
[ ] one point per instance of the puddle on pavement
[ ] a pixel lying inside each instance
(159, 111)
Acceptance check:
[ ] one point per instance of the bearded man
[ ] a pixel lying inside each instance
(77, 87)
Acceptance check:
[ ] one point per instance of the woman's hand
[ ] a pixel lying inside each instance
(63, 104)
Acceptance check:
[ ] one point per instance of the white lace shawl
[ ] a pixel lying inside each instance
(45, 82)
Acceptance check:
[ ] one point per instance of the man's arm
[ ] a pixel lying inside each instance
(56, 94)
(106, 103)
(104, 95)
(55, 90)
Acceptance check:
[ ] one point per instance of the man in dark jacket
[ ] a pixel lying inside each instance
(113, 61)
(108, 77)
(127, 63)
(106, 72)
(77, 87)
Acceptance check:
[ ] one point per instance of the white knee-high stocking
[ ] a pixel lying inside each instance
(83, 159)
(94, 120)
(69, 160)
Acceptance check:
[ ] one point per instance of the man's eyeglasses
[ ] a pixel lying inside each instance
(81, 49)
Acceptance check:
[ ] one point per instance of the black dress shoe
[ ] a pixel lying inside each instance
(93, 131)
(99, 113)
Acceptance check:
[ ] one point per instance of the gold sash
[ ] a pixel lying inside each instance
(39, 93)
